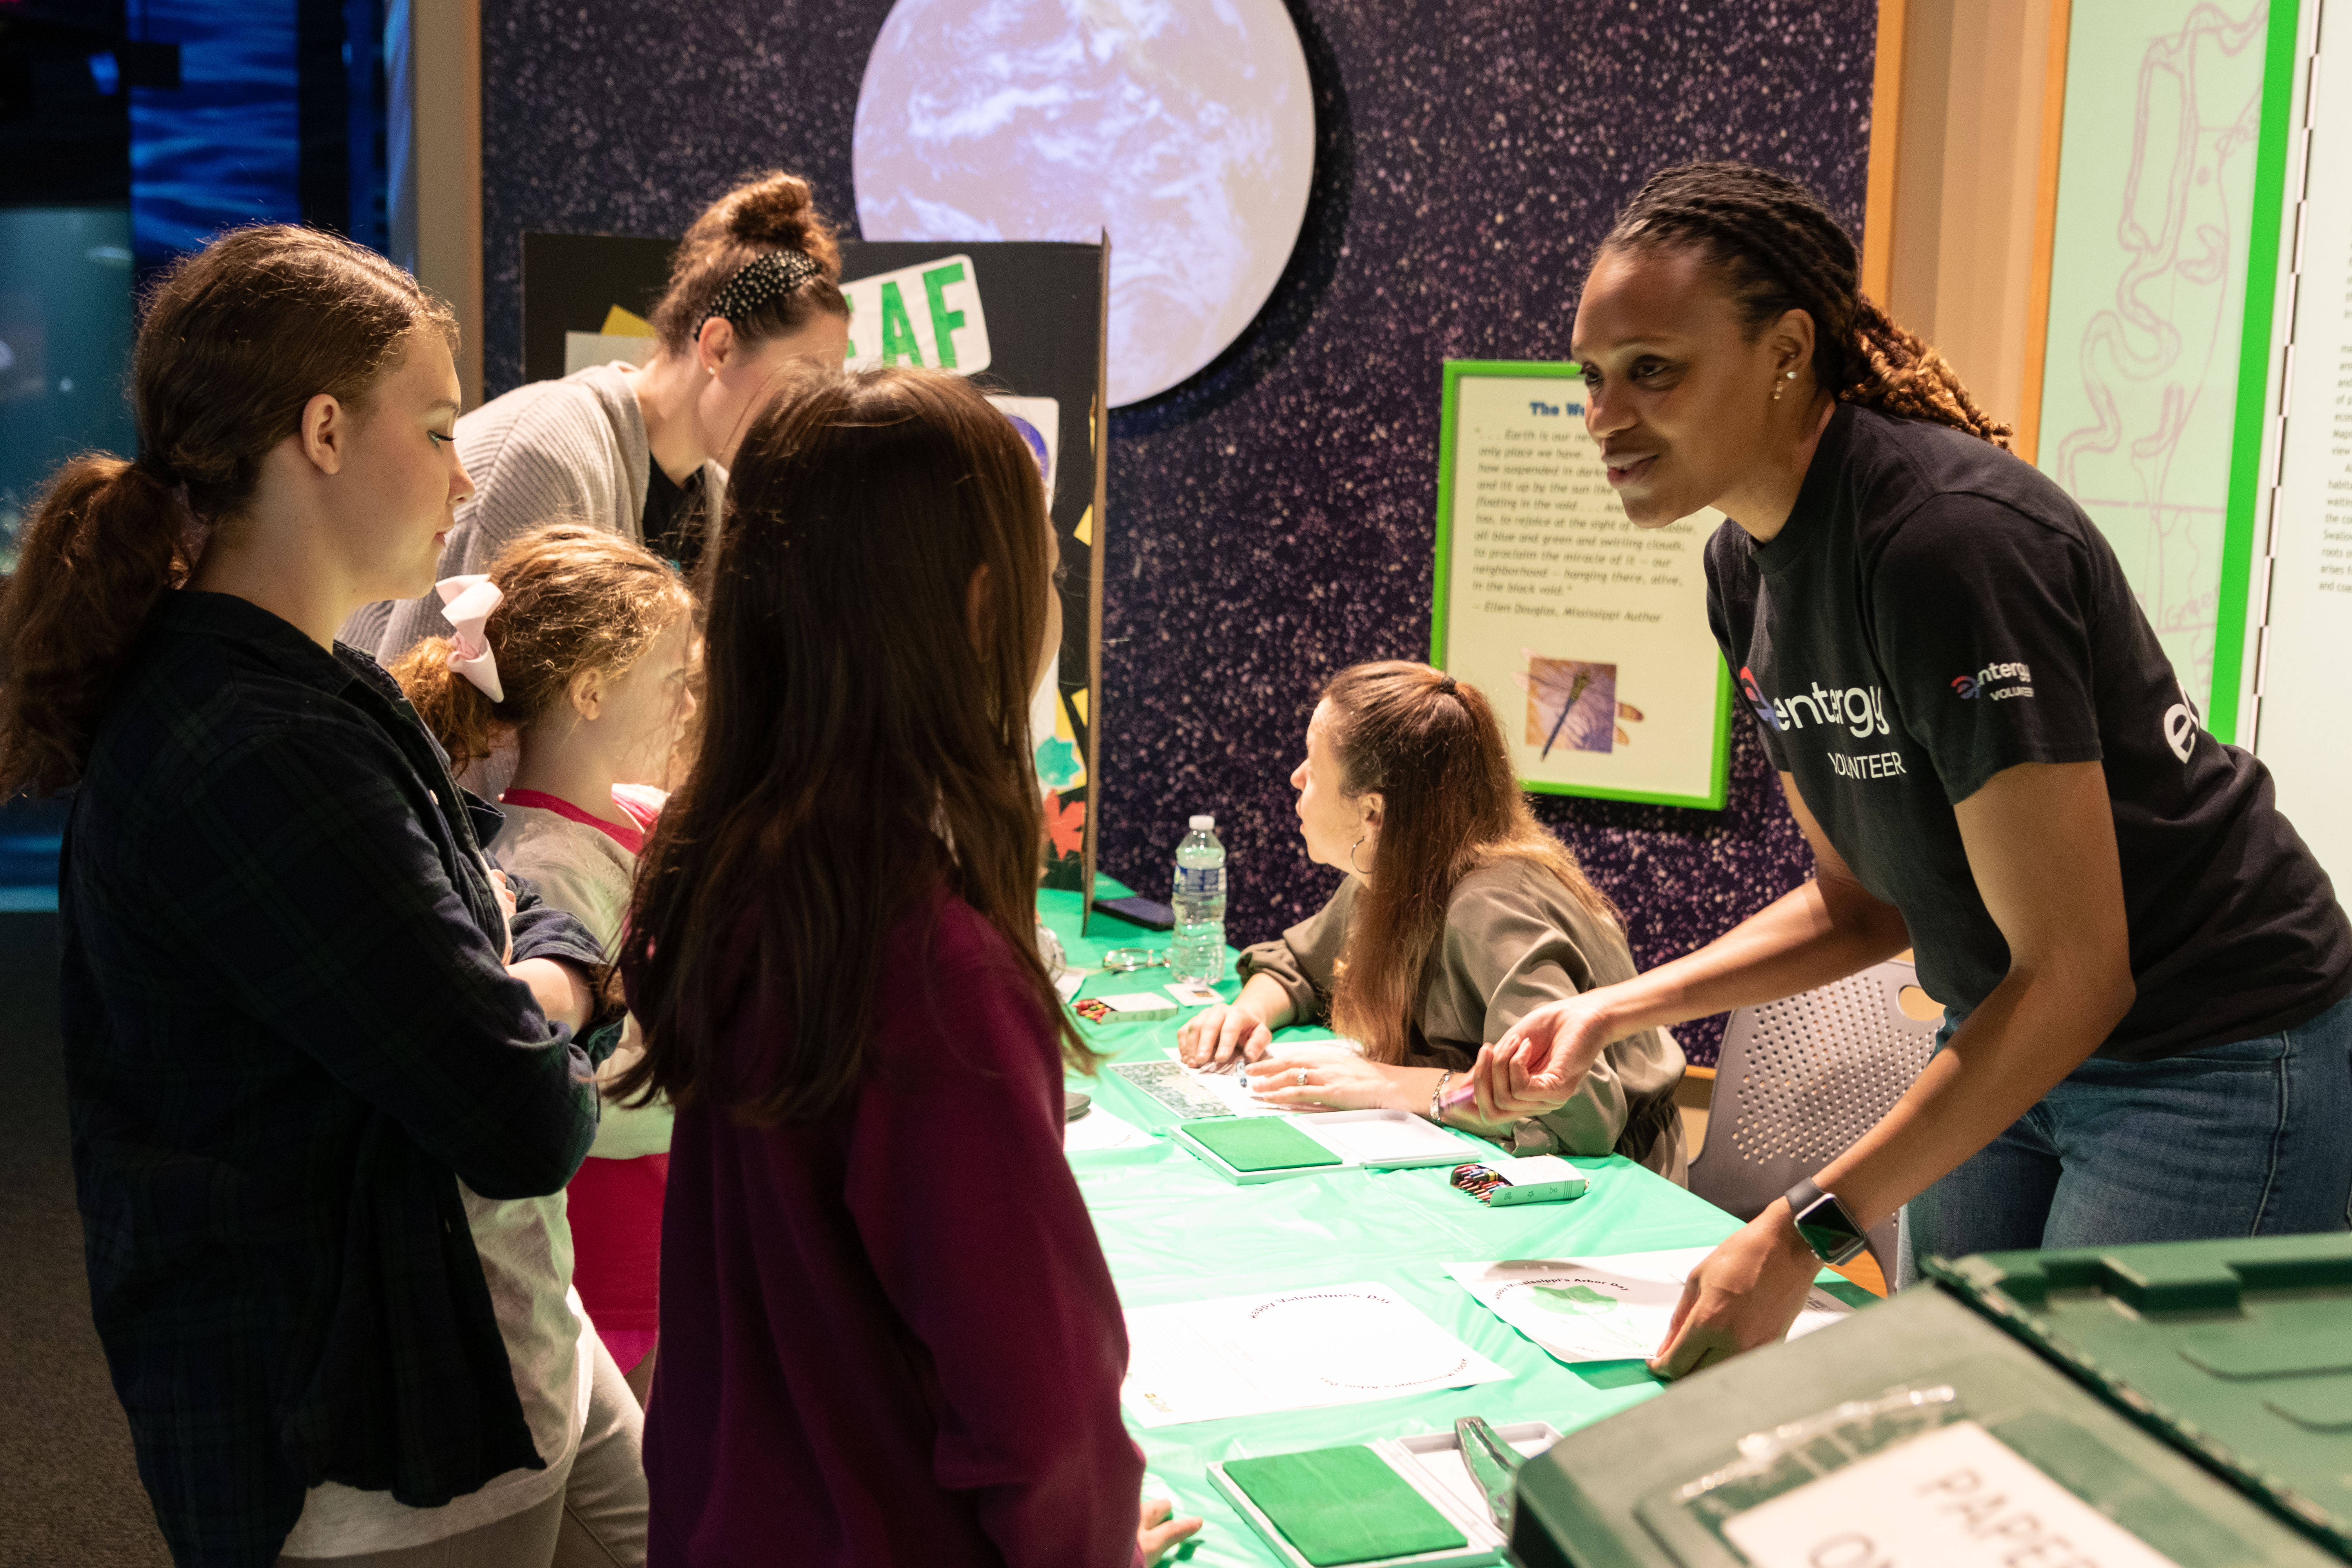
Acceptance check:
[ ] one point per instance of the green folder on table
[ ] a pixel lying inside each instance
(1259, 1143)
(1342, 1505)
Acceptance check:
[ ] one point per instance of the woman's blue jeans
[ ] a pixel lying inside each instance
(2254, 1138)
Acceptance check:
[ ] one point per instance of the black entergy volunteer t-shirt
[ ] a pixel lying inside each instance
(1937, 610)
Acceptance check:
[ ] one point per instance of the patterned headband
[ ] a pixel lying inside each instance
(766, 278)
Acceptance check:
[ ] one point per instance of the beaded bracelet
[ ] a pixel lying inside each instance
(1437, 1110)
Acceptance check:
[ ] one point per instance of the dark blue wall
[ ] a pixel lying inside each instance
(1270, 521)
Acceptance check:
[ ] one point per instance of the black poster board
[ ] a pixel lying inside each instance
(1039, 310)
(570, 281)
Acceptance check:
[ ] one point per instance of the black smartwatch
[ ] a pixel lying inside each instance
(1824, 1224)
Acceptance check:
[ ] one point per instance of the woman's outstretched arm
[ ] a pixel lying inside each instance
(2041, 843)
(1825, 929)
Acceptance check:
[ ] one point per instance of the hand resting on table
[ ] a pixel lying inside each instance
(1223, 1036)
(1320, 1078)
(1334, 1075)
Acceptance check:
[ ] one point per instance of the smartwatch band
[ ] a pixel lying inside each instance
(1825, 1224)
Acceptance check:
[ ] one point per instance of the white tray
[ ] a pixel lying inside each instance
(1431, 1465)
(1362, 1140)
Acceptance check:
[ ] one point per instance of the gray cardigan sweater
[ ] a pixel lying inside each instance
(1515, 939)
(551, 451)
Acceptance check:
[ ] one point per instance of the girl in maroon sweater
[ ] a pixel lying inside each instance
(888, 1334)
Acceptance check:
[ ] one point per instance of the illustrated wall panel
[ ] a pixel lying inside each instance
(1272, 520)
(2158, 169)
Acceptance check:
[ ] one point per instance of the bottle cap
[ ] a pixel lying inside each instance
(1204, 822)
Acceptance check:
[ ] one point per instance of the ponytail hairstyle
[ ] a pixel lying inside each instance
(577, 599)
(864, 744)
(1779, 249)
(1450, 805)
(769, 215)
(235, 340)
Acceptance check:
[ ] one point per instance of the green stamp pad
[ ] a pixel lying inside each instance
(1259, 1143)
(1342, 1505)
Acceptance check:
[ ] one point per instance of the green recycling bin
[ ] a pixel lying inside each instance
(2187, 1404)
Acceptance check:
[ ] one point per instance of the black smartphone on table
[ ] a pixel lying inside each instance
(1149, 913)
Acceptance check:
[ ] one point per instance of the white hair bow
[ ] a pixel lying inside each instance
(466, 602)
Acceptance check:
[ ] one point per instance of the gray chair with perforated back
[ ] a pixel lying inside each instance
(1799, 1080)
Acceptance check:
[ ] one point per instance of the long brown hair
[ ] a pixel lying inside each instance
(1777, 246)
(770, 212)
(236, 340)
(858, 748)
(1451, 805)
(577, 599)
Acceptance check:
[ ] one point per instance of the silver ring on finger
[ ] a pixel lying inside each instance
(1302, 1077)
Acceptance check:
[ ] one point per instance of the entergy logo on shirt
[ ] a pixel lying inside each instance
(1996, 681)
(2181, 723)
(1861, 709)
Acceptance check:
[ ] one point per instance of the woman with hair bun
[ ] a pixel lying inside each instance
(2144, 970)
(753, 290)
(319, 1056)
(1459, 914)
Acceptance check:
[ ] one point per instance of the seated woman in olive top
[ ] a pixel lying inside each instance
(1460, 915)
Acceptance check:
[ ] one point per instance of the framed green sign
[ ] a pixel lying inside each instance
(1587, 634)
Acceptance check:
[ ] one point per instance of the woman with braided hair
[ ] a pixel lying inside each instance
(2144, 970)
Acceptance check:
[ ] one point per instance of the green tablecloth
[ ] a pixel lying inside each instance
(1176, 1231)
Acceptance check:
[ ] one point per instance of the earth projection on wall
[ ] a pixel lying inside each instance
(1185, 128)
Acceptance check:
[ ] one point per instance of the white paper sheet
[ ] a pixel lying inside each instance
(1291, 1350)
(1375, 1138)
(1099, 1130)
(1450, 1473)
(1604, 1308)
(1954, 1498)
(1232, 1087)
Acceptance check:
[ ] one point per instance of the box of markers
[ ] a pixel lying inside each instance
(1535, 1179)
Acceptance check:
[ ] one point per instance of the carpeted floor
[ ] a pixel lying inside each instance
(70, 1497)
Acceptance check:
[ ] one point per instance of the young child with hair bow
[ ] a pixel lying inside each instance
(576, 648)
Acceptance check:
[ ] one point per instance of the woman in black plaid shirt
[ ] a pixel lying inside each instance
(299, 1007)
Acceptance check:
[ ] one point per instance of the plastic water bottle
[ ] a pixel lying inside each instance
(1199, 950)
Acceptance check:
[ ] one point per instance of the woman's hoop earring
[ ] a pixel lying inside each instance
(1358, 870)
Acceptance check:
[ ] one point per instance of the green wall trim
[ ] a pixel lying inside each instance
(2254, 370)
